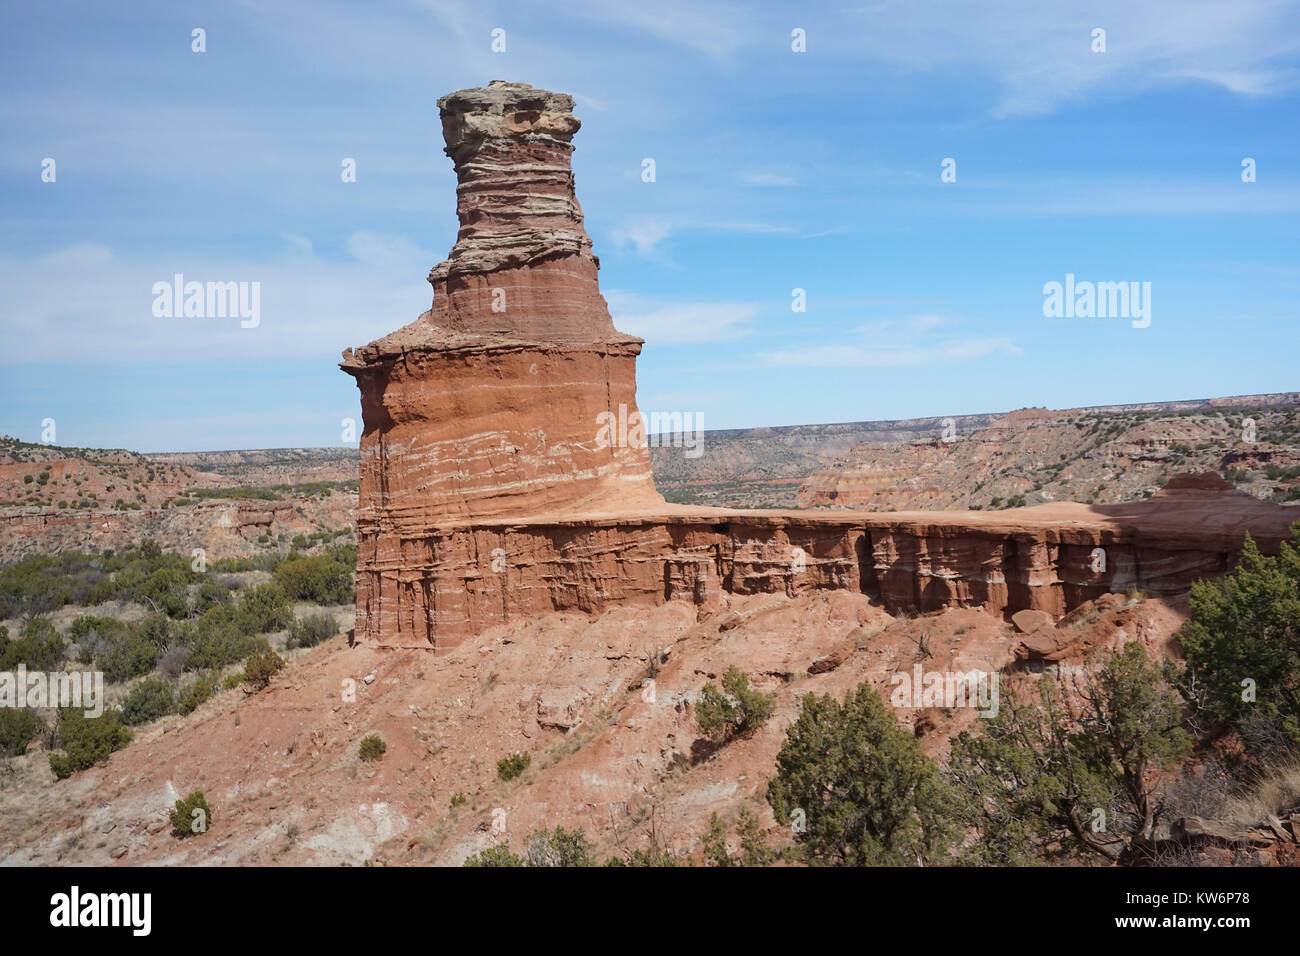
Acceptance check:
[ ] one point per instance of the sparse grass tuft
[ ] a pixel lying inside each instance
(1275, 793)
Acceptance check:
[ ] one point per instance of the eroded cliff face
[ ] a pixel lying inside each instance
(449, 583)
(488, 493)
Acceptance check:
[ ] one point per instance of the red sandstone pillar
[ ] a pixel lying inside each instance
(489, 405)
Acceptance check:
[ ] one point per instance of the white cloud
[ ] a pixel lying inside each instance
(1040, 54)
(586, 102)
(755, 228)
(453, 15)
(1136, 195)
(836, 356)
(297, 243)
(84, 302)
(912, 325)
(768, 179)
(1246, 83)
(680, 323)
(893, 343)
(719, 31)
(644, 234)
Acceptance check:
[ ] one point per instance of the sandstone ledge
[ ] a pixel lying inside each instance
(453, 344)
(1210, 519)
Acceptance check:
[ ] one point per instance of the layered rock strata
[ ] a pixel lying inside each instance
(490, 403)
(441, 585)
(487, 493)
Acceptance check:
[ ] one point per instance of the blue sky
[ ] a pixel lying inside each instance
(775, 170)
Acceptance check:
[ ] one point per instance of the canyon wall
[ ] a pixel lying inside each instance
(441, 586)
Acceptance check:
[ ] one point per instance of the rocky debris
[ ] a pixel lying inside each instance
(630, 750)
(840, 653)
(1224, 843)
(1107, 617)
(1280, 830)
(453, 718)
(1197, 830)
(1028, 621)
(1040, 641)
(1091, 607)
(1193, 841)
(1041, 646)
(561, 708)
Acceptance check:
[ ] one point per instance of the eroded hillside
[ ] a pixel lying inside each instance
(612, 753)
(1036, 456)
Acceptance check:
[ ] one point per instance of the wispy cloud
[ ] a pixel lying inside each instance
(768, 179)
(453, 15)
(585, 101)
(645, 235)
(718, 30)
(1135, 195)
(910, 326)
(1246, 82)
(680, 323)
(893, 343)
(1041, 55)
(85, 302)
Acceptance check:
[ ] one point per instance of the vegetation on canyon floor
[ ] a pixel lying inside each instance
(191, 817)
(734, 711)
(512, 765)
(169, 630)
(372, 747)
(86, 740)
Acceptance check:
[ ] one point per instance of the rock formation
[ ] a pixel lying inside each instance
(467, 578)
(489, 404)
(487, 492)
